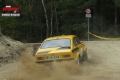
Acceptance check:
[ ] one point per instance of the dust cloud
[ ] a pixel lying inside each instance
(29, 70)
(102, 64)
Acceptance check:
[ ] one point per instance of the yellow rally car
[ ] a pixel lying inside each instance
(65, 47)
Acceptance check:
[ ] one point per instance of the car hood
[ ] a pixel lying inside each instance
(53, 50)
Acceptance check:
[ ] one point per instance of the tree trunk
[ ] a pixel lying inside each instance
(51, 19)
(115, 26)
(56, 19)
(101, 17)
(30, 10)
(94, 17)
(41, 35)
(47, 31)
(0, 31)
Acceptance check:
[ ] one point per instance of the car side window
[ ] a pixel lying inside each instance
(78, 41)
(75, 42)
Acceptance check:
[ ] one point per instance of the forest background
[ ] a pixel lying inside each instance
(40, 19)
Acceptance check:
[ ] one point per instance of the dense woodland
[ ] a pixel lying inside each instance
(43, 18)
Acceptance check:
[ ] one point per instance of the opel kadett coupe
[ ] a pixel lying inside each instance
(60, 48)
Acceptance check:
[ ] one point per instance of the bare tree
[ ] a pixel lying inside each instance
(101, 16)
(56, 19)
(51, 18)
(0, 31)
(47, 32)
(117, 4)
(115, 28)
(30, 10)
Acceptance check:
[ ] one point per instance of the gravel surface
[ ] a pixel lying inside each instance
(9, 49)
(103, 64)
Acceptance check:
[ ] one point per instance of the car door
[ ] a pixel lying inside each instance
(77, 47)
(80, 46)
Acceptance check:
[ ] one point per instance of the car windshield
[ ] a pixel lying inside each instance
(56, 43)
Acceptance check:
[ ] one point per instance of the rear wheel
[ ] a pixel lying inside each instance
(85, 56)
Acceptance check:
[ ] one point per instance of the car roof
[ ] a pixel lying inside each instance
(62, 36)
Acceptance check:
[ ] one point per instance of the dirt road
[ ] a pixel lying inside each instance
(103, 64)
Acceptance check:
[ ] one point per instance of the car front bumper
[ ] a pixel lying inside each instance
(57, 60)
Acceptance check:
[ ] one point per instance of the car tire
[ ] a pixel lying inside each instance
(85, 56)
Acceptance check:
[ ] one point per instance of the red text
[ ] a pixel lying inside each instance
(10, 9)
